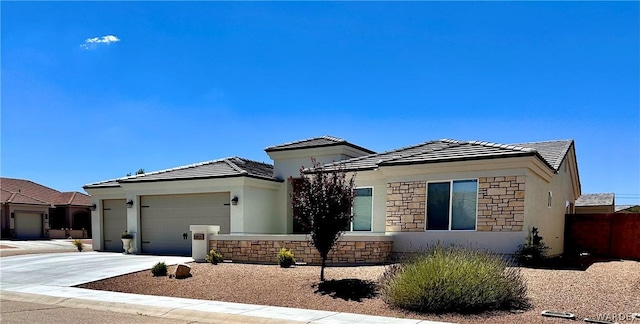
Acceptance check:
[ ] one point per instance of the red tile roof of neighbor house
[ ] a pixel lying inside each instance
(19, 191)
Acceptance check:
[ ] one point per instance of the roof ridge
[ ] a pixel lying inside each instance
(73, 196)
(504, 146)
(565, 149)
(30, 197)
(235, 166)
(328, 137)
(254, 161)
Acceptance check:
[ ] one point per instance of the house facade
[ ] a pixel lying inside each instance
(480, 194)
(29, 210)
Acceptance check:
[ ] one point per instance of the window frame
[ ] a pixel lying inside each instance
(352, 209)
(426, 203)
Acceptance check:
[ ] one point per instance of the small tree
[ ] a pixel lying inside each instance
(322, 201)
(140, 171)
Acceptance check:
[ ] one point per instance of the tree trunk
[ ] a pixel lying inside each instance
(324, 259)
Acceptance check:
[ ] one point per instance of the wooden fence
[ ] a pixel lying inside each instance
(608, 235)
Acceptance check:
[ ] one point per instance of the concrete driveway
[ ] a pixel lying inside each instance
(11, 248)
(48, 279)
(74, 268)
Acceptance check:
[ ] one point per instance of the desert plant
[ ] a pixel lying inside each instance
(78, 244)
(533, 251)
(286, 258)
(322, 201)
(159, 269)
(126, 235)
(213, 257)
(454, 279)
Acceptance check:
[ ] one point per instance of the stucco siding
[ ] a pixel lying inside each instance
(548, 220)
(260, 211)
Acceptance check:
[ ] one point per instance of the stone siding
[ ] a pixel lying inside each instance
(265, 251)
(501, 203)
(406, 206)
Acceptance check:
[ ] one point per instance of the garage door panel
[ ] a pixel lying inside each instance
(114, 222)
(164, 220)
(28, 225)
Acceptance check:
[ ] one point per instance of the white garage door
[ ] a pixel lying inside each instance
(28, 225)
(114, 222)
(165, 220)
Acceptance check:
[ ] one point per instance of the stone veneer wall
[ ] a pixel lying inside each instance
(265, 251)
(406, 206)
(501, 203)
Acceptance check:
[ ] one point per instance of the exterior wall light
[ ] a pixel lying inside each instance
(93, 207)
(129, 203)
(234, 201)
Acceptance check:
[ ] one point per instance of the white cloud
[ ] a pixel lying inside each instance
(91, 43)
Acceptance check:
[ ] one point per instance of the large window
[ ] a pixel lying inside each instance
(452, 205)
(362, 209)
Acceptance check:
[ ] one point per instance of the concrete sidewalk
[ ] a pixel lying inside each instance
(49, 279)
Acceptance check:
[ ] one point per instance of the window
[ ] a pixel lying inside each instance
(549, 198)
(362, 209)
(452, 205)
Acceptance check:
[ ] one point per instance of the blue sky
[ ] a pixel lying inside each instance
(94, 90)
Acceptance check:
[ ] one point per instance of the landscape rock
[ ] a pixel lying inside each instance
(182, 271)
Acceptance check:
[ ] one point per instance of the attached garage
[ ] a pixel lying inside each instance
(114, 222)
(28, 225)
(165, 220)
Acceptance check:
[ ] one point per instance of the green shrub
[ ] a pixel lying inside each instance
(159, 269)
(533, 251)
(213, 257)
(285, 258)
(454, 279)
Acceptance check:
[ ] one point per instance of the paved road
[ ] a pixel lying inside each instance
(15, 312)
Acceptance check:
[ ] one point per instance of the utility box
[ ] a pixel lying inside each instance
(200, 240)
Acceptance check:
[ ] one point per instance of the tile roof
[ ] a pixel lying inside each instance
(447, 150)
(322, 141)
(552, 151)
(595, 199)
(20, 191)
(221, 168)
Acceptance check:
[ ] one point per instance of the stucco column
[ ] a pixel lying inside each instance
(96, 225)
(236, 212)
(133, 222)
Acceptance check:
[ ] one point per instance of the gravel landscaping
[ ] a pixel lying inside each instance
(604, 288)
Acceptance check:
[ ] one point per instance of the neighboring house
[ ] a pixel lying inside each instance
(596, 203)
(627, 208)
(30, 211)
(477, 193)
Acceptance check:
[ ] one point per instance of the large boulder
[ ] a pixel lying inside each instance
(182, 271)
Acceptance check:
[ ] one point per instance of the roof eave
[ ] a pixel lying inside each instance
(142, 180)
